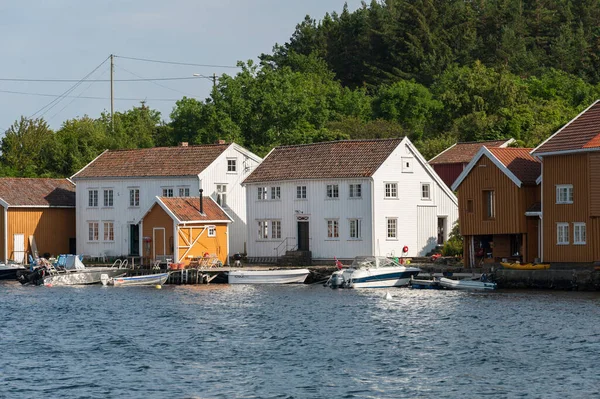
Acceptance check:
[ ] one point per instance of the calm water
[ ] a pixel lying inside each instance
(223, 341)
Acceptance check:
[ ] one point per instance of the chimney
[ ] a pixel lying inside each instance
(221, 141)
(183, 144)
(201, 207)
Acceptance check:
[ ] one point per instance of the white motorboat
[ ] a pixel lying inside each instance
(466, 284)
(283, 276)
(8, 271)
(150, 279)
(372, 272)
(71, 271)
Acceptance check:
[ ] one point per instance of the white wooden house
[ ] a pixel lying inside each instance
(119, 186)
(347, 198)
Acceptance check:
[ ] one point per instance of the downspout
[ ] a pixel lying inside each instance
(5, 210)
(141, 239)
(373, 235)
(227, 258)
(541, 233)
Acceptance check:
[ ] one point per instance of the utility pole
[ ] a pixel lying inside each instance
(214, 78)
(112, 93)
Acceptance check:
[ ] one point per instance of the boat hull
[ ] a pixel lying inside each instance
(9, 272)
(151, 279)
(425, 284)
(467, 284)
(525, 266)
(267, 276)
(91, 275)
(373, 278)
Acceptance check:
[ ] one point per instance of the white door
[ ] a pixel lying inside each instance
(19, 248)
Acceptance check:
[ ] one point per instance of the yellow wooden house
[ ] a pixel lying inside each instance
(185, 230)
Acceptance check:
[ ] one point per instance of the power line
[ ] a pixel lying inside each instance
(177, 63)
(89, 97)
(157, 84)
(98, 80)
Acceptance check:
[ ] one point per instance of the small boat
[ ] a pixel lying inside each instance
(466, 284)
(283, 276)
(8, 271)
(372, 272)
(525, 266)
(424, 284)
(150, 279)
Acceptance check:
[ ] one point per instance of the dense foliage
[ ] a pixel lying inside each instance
(438, 71)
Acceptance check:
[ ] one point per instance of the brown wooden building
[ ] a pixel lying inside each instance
(571, 190)
(451, 162)
(498, 202)
(36, 215)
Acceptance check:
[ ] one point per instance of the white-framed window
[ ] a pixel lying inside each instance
(276, 229)
(333, 191)
(212, 231)
(392, 228)
(263, 229)
(93, 198)
(231, 165)
(391, 190)
(355, 229)
(108, 198)
(562, 233)
(489, 202)
(222, 195)
(355, 191)
(300, 192)
(333, 230)
(167, 192)
(184, 191)
(425, 191)
(275, 193)
(407, 164)
(262, 193)
(134, 197)
(579, 234)
(564, 193)
(93, 231)
(109, 231)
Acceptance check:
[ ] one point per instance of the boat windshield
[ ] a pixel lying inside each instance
(372, 262)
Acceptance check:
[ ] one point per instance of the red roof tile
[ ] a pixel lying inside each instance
(159, 161)
(520, 162)
(37, 192)
(464, 152)
(578, 134)
(335, 159)
(187, 209)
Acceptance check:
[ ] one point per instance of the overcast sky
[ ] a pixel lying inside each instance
(68, 39)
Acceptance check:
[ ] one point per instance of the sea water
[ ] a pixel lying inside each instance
(296, 341)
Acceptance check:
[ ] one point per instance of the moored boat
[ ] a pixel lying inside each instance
(282, 276)
(424, 284)
(525, 266)
(467, 284)
(373, 272)
(122, 281)
(8, 271)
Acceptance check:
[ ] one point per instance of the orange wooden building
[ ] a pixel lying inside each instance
(498, 202)
(36, 215)
(181, 229)
(571, 190)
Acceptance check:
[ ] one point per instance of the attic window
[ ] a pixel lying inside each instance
(407, 165)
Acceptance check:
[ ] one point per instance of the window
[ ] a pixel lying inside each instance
(392, 228)
(262, 193)
(333, 229)
(276, 229)
(109, 231)
(184, 191)
(134, 197)
(355, 227)
(425, 191)
(489, 204)
(470, 205)
(263, 229)
(562, 233)
(93, 198)
(407, 165)
(92, 231)
(275, 193)
(355, 191)
(108, 197)
(564, 194)
(301, 192)
(579, 233)
(333, 191)
(391, 190)
(222, 195)
(231, 165)
(212, 231)
(167, 192)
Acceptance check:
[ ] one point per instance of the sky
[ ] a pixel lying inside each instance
(68, 39)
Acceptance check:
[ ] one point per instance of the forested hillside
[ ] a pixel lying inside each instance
(437, 71)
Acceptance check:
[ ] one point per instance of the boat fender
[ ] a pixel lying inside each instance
(405, 249)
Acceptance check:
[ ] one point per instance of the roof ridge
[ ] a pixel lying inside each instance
(481, 141)
(172, 146)
(339, 141)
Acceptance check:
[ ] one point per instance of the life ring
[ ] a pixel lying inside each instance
(405, 249)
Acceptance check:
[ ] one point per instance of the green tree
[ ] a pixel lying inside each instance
(24, 147)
